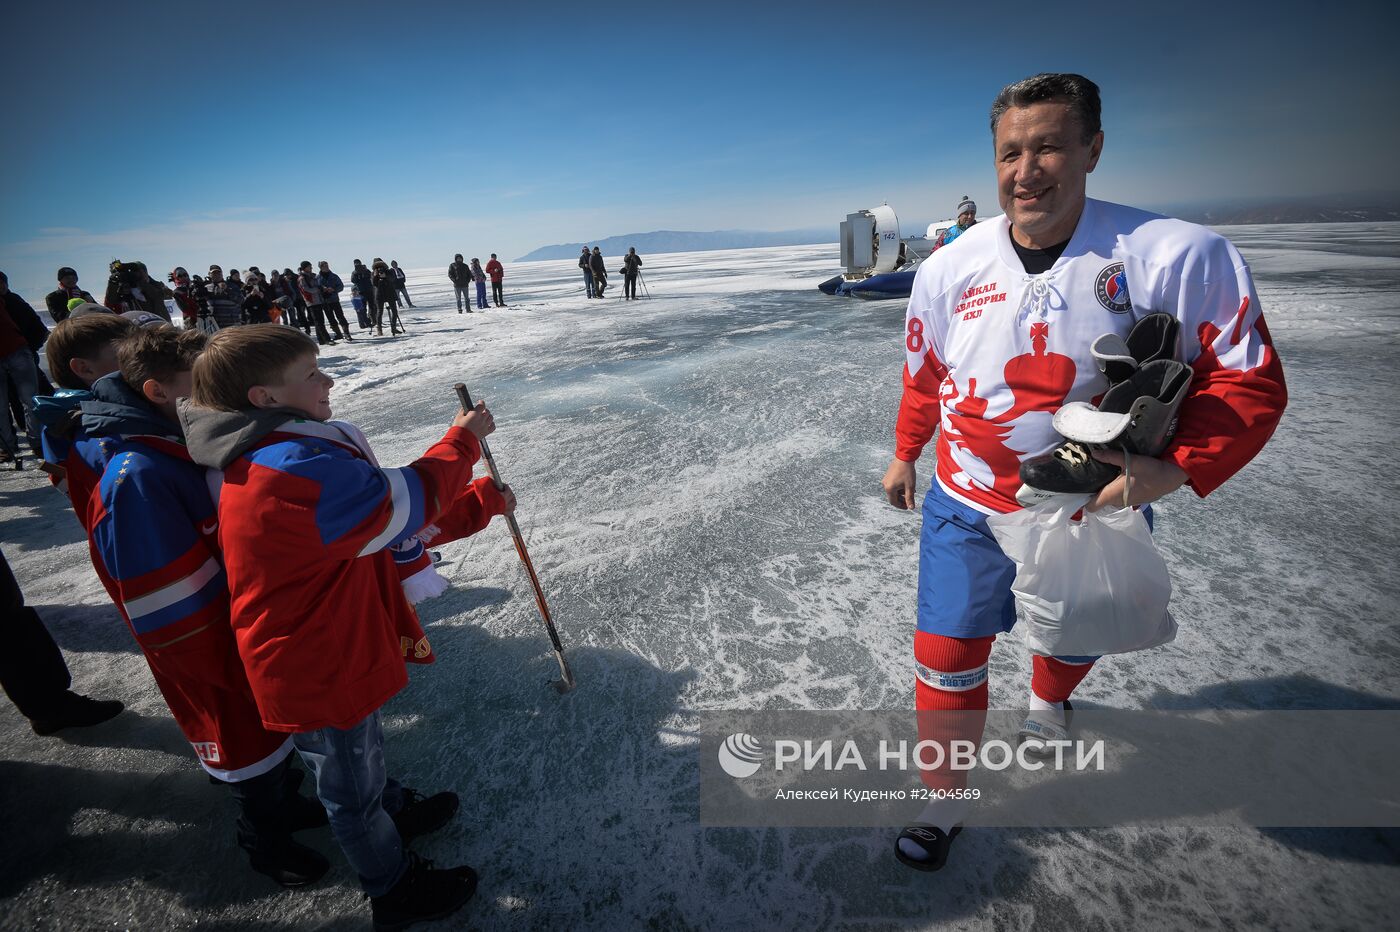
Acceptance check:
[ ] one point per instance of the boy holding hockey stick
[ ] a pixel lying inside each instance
(322, 623)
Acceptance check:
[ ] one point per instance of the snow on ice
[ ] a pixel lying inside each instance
(698, 476)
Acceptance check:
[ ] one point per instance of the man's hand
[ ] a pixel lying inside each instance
(508, 494)
(478, 420)
(899, 484)
(1151, 479)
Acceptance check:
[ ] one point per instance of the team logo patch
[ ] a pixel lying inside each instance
(1112, 289)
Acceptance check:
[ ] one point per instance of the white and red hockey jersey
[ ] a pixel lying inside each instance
(992, 352)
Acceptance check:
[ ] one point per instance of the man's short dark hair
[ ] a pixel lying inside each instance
(1079, 92)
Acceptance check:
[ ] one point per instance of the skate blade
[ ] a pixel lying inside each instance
(1031, 497)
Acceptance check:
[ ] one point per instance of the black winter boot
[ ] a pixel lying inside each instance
(424, 893)
(74, 711)
(286, 862)
(421, 814)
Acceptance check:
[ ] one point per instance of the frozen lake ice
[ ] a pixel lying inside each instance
(698, 476)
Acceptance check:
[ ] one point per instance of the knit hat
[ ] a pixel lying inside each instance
(67, 270)
(146, 319)
(965, 205)
(85, 308)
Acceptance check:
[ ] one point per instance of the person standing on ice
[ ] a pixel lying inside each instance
(631, 268)
(151, 527)
(362, 284)
(385, 295)
(331, 287)
(498, 275)
(400, 281)
(585, 262)
(600, 272)
(308, 521)
(18, 372)
(32, 671)
(311, 293)
(461, 276)
(967, 217)
(997, 338)
(479, 276)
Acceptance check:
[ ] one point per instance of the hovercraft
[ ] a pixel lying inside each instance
(878, 263)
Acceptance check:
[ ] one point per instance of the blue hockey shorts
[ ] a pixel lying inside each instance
(964, 578)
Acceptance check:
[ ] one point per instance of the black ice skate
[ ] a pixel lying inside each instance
(1152, 338)
(1137, 416)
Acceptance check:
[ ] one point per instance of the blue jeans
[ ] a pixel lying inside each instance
(348, 769)
(588, 282)
(20, 369)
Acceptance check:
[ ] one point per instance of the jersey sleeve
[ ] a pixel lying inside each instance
(924, 372)
(1237, 393)
(361, 508)
(469, 513)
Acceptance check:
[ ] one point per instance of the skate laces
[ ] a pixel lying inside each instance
(1072, 452)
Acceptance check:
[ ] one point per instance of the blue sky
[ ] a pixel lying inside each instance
(251, 133)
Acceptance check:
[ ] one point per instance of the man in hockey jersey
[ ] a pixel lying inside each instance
(152, 534)
(307, 520)
(997, 339)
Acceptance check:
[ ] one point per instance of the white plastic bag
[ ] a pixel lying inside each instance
(1088, 587)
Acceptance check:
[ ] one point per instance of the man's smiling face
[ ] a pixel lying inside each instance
(1042, 162)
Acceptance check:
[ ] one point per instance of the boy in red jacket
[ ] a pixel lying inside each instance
(306, 525)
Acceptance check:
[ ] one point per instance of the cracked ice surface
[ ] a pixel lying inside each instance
(699, 484)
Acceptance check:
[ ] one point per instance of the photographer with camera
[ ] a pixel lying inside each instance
(131, 288)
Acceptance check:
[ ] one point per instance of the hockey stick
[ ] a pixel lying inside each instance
(567, 682)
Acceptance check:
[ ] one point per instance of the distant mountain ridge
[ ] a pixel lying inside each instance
(1289, 213)
(659, 241)
(1345, 209)
(1366, 207)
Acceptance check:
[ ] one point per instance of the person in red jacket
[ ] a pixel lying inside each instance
(306, 523)
(498, 274)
